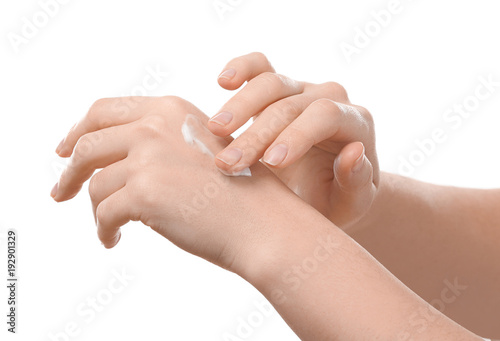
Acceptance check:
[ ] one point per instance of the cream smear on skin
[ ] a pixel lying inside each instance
(190, 129)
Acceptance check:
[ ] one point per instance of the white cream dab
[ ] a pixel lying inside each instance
(190, 135)
(189, 131)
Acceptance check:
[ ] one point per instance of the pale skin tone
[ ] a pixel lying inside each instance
(256, 226)
(436, 233)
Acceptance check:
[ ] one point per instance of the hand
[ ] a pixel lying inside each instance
(310, 135)
(254, 226)
(150, 174)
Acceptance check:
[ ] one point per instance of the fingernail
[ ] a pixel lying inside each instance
(54, 190)
(276, 155)
(244, 172)
(358, 164)
(59, 146)
(230, 156)
(222, 118)
(228, 74)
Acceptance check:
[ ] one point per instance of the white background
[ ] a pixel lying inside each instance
(427, 59)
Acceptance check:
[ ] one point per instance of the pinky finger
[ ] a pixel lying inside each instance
(111, 214)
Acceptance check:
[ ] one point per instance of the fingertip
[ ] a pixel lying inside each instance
(359, 161)
(228, 80)
(53, 192)
(217, 129)
(227, 74)
(228, 85)
(221, 165)
(64, 153)
(63, 193)
(349, 157)
(276, 155)
(219, 123)
(60, 145)
(110, 243)
(229, 162)
(228, 157)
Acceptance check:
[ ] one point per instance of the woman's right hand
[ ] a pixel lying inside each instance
(310, 135)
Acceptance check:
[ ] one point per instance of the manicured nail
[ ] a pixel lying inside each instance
(222, 118)
(244, 172)
(358, 164)
(54, 190)
(228, 74)
(59, 146)
(230, 156)
(276, 155)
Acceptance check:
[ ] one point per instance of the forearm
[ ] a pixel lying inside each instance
(429, 235)
(327, 287)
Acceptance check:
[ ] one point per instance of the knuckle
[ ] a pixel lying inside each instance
(324, 105)
(262, 59)
(144, 158)
(83, 148)
(365, 113)
(144, 187)
(271, 81)
(252, 58)
(174, 101)
(152, 125)
(260, 56)
(95, 186)
(96, 108)
(335, 89)
(285, 111)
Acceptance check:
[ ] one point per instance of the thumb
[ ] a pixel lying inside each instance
(353, 189)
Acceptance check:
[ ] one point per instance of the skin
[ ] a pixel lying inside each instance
(325, 136)
(253, 226)
(424, 234)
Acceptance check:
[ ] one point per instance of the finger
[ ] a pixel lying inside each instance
(104, 113)
(113, 212)
(242, 69)
(257, 95)
(323, 119)
(93, 150)
(106, 182)
(249, 147)
(196, 134)
(353, 189)
(331, 90)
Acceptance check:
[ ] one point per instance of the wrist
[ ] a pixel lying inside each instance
(289, 231)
